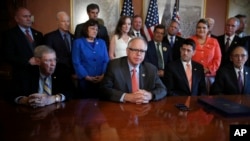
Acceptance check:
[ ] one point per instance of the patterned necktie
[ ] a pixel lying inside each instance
(189, 75)
(240, 82)
(66, 42)
(28, 36)
(135, 85)
(46, 86)
(227, 43)
(159, 56)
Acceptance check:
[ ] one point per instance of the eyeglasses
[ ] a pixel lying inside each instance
(239, 55)
(137, 50)
(49, 61)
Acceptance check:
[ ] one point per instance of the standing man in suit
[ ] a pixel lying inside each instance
(243, 25)
(44, 87)
(61, 41)
(137, 27)
(93, 11)
(229, 40)
(19, 44)
(233, 78)
(146, 86)
(211, 23)
(173, 41)
(179, 81)
(158, 51)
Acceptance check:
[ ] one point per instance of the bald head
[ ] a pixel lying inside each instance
(23, 17)
(63, 21)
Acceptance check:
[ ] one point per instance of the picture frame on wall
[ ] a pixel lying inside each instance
(239, 7)
(190, 11)
(109, 13)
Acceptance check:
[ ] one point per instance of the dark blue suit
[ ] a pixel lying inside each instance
(151, 54)
(55, 40)
(226, 81)
(174, 52)
(177, 82)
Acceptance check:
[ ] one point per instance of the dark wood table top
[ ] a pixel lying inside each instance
(87, 120)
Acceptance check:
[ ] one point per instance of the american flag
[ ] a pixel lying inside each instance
(127, 8)
(152, 19)
(175, 15)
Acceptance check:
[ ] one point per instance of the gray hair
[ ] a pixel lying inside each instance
(41, 50)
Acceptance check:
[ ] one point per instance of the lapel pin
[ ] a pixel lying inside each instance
(246, 73)
(143, 75)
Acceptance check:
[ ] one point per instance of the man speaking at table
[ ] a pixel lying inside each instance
(129, 79)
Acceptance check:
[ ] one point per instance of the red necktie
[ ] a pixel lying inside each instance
(135, 86)
(189, 75)
(28, 36)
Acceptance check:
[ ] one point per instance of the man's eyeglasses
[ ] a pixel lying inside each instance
(239, 55)
(137, 50)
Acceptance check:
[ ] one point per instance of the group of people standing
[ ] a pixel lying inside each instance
(125, 68)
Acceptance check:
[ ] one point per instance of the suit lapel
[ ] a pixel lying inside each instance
(142, 76)
(127, 75)
(245, 80)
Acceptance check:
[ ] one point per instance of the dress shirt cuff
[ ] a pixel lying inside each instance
(122, 98)
(17, 99)
(62, 97)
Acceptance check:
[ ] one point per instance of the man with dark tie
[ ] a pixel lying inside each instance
(229, 40)
(61, 41)
(19, 44)
(173, 40)
(158, 51)
(184, 76)
(93, 11)
(233, 78)
(129, 79)
(137, 27)
(44, 87)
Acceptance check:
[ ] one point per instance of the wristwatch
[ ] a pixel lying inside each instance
(58, 98)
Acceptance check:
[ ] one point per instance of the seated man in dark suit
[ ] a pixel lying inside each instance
(184, 76)
(139, 86)
(93, 11)
(44, 87)
(233, 78)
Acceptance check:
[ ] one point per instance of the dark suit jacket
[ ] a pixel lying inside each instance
(226, 54)
(60, 84)
(177, 82)
(142, 34)
(151, 54)
(226, 81)
(246, 44)
(174, 52)
(117, 80)
(18, 51)
(56, 41)
(102, 33)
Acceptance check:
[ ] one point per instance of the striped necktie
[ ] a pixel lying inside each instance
(47, 86)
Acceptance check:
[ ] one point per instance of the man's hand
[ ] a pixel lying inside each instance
(138, 97)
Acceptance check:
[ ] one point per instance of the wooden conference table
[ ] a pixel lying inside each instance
(87, 120)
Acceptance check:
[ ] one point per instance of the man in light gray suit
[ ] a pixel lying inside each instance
(117, 85)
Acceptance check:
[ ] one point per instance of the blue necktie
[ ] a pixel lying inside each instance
(171, 41)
